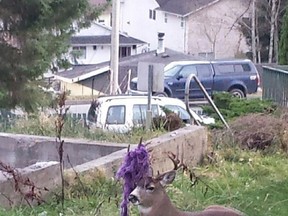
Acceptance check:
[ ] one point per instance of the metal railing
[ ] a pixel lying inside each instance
(275, 84)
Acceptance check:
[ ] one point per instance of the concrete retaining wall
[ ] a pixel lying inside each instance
(190, 143)
(42, 174)
(23, 150)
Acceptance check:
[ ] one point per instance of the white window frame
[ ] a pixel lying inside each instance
(83, 51)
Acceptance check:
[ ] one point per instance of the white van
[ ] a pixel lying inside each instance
(122, 113)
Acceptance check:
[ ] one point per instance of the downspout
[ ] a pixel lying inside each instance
(185, 36)
(93, 87)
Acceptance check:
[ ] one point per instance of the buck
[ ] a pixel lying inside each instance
(152, 200)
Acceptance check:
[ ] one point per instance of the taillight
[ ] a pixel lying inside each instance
(258, 79)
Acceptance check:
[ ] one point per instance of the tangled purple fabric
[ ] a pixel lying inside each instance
(134, 167)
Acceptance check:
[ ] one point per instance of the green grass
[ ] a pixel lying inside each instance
(45, 126)
(254, 183)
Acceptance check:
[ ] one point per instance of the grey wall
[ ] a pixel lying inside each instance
(23, 150)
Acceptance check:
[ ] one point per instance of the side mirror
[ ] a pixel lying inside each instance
(179, 77)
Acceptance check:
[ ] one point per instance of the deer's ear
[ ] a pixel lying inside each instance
(167, 178)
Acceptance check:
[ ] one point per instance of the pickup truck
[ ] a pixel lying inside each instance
(239, 77)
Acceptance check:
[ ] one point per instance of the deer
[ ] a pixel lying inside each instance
(152, 200)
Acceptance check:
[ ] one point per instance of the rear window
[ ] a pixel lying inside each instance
(224, 68)
(116, 115)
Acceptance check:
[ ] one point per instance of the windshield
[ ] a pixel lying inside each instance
(172, 71)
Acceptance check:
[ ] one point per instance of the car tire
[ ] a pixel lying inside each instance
(160, 94)
(237, 93)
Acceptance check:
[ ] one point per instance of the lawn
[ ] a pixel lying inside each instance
(252, 182)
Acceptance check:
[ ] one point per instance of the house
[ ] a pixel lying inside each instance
(202, 28)
(87, 80)
(213, 30)
(92, 45)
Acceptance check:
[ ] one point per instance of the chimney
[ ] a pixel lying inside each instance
(161, 48)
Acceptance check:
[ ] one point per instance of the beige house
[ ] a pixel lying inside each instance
(208, 28)
(213, 31)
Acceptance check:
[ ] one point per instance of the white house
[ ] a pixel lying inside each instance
(92, 45)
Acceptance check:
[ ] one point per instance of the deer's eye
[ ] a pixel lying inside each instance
(150, 188)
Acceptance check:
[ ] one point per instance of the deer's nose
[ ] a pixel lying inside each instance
(133, 199)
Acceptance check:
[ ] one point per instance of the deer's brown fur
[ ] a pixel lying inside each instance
(152, 200)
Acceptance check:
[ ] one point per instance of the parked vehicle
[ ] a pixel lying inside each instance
(239, 77)
(122, 113)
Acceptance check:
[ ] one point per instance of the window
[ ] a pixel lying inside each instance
(152, 14)
(246, 67)
(187, 70)
(139, 113)
(238, 68)
(183, 114)
(172, 71)
(166, 18)
(225, 68)
(124, 51)
(204, 70)
(232, 68)
(182, 22)
(79, 52)
(207, 55)
(116, 115)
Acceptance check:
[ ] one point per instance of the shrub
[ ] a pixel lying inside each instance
(231, 107)
(256, 132)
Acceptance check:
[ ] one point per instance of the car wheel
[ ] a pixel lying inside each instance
(237, 93)
(160, 94)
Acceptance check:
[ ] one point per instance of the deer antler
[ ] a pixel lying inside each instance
(177, 163)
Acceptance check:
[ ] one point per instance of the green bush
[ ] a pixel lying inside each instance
(231, 107)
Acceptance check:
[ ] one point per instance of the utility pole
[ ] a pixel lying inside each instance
(253, 29)
(114, 51)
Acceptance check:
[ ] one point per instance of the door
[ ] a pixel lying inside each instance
(116, 119)
(177, 82)
(202, 71)
(206, 77)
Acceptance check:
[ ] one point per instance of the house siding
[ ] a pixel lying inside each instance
(135, 21)
(210, 30)
(102, 52)
(79, 89)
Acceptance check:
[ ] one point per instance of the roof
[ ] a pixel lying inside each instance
(183, 7)
(81, 72)
(165, 100)
(165, 58)
(103, 39)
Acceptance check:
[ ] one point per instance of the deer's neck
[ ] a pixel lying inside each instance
(163, 207)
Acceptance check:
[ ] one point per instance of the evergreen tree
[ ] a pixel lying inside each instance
(283, 45)
(32, 34)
